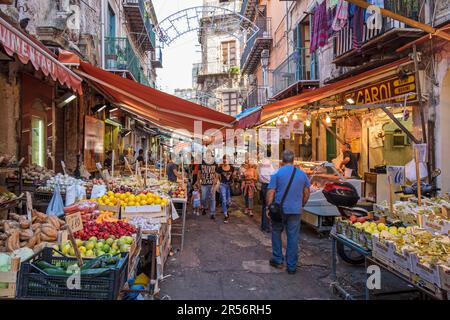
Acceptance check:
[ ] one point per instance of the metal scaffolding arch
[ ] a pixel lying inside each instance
(205, 18)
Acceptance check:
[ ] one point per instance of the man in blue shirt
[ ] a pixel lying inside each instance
(296, 198)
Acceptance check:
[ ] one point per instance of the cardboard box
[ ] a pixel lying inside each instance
(436, 224)
(154, 211)
(427, 273)
(381, 250)
(444, 275)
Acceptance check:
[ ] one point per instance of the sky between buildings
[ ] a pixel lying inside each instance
(182, 53)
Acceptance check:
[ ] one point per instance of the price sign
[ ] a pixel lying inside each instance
(29, 207)
(63, 165)
(74, 222)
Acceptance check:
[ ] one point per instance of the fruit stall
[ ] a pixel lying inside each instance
(116, 235)
(408, 240)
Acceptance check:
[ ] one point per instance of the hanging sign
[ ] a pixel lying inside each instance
(422, 151)
(285, 131)
(397, 174)
(269, 136)
(386, 91)
(297, 127)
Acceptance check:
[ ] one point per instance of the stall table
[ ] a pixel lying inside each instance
(180, 205)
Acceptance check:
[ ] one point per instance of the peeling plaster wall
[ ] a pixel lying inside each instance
(10, 99)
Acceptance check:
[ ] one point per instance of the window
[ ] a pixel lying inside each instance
(229, 53)
(230, 102)
(111, 22)
(37, 141)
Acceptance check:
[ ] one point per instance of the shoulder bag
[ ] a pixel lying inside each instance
(276, 209)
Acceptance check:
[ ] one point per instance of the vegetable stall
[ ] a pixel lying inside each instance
(115, 234)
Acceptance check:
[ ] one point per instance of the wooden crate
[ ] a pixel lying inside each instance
(133, 256)
(10, 277)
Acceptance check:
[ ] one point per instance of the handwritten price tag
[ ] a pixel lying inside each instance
(74, 222)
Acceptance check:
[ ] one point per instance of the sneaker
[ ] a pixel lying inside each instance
(251, 214)
(275, 264)
(226, 219)
(203, 212)
(291, 271)
(212, 217)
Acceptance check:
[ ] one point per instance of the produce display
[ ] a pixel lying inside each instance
(179, 192)
(87, 209)
(61, 180)
(16, 232)
(37, 174)
(91, 183)
(104, 230)
(93, 267)
(145, 223)
(129, 199)
(95, 247)
(7, 197)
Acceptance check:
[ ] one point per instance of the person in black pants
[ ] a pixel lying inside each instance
(265, 171)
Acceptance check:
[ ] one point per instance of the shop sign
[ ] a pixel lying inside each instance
(297, 127)
(27, 51)
(386, 91)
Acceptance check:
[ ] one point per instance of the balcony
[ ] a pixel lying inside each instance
(139, 24)
(251, 56)
(392, 35)
(156, 58)
(120, 56)
(216, 69)
(256, 97)
(248, 9)
(298, 70)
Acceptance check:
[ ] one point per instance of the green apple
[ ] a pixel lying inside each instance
(93, 239)
(124, 247)
(110, 241)
(90, 253)
(115, 246)
(82, 249)
(122, 240)
(106, 247)
(72, 251)
(79, 242)
(100, 253)
(128, 239)
(113, 252)
(99, 245)
(90, 245)
(102, 240)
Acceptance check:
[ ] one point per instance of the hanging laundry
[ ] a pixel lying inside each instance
(319, 33)
(331, 13)
(356, 19)
(341, 16)
(332, 3)
(378, 3)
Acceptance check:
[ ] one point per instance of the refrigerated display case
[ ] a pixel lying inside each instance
(318, 212)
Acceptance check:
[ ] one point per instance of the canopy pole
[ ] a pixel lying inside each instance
(400, 125)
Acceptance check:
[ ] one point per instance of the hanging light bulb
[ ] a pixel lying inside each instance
(308, 120)
(328, 119)
(285, 119)
(295, 117)
(278, 121)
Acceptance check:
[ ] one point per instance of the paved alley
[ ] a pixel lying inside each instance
(230, 261)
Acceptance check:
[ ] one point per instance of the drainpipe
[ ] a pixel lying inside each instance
(102, 31)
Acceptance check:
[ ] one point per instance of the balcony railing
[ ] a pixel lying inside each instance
(119, 55)
(407, 8)
(257, 97)
(258, 42)
(217, 68)
(145, 22)
(299, 66)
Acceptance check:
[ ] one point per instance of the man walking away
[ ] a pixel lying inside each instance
(296, 197)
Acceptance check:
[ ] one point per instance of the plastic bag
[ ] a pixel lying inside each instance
(410, 171)
(98, 191)
(81, 192)
(71, 195)
(56, 205)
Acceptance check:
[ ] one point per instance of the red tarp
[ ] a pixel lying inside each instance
(161, 108)
(28, 49)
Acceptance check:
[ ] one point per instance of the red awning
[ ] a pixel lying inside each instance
(272, 110)
(161, 108)
(249, 120)
(28, 49)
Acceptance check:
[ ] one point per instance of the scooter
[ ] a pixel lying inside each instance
(427, 190)
(345, 197)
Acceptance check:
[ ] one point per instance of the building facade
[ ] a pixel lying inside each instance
(219, 78)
